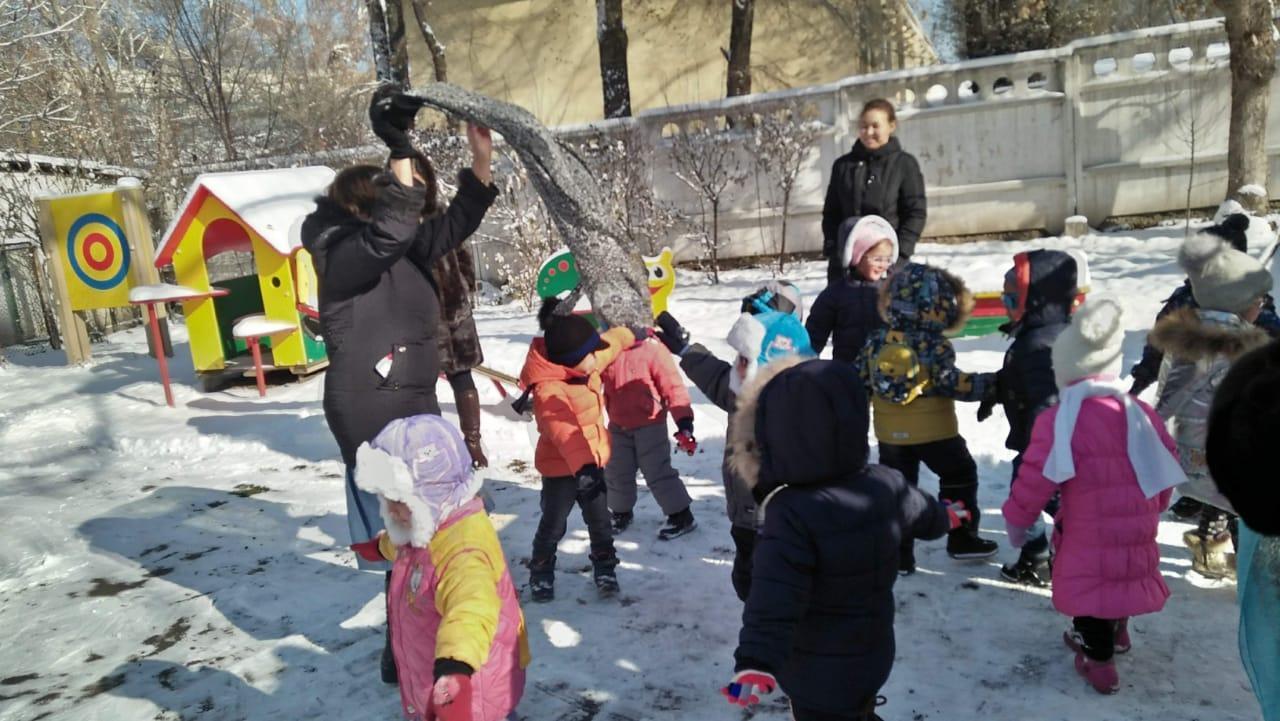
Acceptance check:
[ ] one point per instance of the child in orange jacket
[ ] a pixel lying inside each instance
(562, 374)
(640, 388)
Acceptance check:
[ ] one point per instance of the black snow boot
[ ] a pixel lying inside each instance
(542, 580)
(964, 543)
(389, 674)
(1028, 571)
(602, 570)
(907, 561)
(622, 521)
(678, 524)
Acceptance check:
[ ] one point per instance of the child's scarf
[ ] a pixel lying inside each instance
(1156, 468)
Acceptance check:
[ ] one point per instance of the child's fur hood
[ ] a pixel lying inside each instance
(744, 454)
(926, 297)
(1188, 336)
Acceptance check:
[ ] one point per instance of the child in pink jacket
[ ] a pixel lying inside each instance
(641, 387)
(456, 628)
(1111, 458)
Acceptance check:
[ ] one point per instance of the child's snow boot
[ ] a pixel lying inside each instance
(542, 580)
(1186, 508)
(678, 524)
(602, 570)
(1027, 571)
(964, 543)
(1123, 642)
(622, 521)
(1101, 675)
(1209, 554)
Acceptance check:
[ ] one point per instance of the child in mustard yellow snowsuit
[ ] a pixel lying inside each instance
(909, 367)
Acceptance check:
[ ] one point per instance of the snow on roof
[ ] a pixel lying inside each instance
(270, 202)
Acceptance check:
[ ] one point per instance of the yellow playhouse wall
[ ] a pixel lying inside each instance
(189, 269)
(274, 280)
(279, 302)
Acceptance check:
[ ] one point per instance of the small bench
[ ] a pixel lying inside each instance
(251, 329)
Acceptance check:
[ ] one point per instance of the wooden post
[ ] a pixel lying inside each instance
(75, 336)
(137, 227)
(257, 366)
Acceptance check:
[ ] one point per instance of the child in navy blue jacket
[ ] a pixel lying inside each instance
(849, 310)
(819, 619)
(1039, 293)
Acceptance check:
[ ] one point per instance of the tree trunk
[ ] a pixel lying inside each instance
(396, 42)
(433, 43)
(379, 42)
(715, 241)
(611, 35)
(740, 47)
(1250, 34)
(782, 244)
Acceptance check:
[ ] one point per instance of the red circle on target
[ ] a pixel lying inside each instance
(98, 260)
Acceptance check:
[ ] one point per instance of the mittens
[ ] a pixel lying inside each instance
(684, 437)
(957, 514)
(1017, 534)
(671, 333)
(391, 117)
(590, 482)
(742, 689)
(451, 698)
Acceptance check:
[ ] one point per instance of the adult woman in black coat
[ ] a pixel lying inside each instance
(379, 309)
(879, 178)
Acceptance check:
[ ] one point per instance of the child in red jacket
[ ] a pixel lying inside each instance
(640, 388)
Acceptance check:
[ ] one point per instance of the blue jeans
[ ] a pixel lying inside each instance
(364, 520)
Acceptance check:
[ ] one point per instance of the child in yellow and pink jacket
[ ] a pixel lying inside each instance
(456, 627)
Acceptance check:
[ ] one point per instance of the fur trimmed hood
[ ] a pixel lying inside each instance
(926, 297)
(799, 422)
(1194, 335)
(422, 462)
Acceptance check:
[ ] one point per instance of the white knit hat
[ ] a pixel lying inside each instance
(1091, 345)
(1222, 278)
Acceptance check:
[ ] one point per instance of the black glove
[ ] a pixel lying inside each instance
(685, 424)
(590, 482)
(990, 396)
(672, 334)
(391, 116)
(1140, 384)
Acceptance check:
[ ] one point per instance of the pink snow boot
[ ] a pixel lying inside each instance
(1100, 674)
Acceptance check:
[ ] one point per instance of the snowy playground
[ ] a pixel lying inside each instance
(191, 563)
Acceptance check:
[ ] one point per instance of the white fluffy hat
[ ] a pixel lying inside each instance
(1091, 345)
(1222, 278)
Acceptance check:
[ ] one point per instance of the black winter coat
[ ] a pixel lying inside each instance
(886, 182)
(820, 612)
(1025, 383)
(377, 299)
(850, 311)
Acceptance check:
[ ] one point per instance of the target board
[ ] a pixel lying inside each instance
(93, 248)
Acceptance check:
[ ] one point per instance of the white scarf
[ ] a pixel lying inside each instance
(1156, 468)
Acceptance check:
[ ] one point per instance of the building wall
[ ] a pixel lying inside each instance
(542, 54)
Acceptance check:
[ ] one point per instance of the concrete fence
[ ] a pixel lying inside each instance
(1103, 127)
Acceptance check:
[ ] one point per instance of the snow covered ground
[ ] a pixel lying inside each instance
(190, 563)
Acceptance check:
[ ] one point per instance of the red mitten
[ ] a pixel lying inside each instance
(686, 442)
(741, 689)
(451, 698)
(368, 550)
(957, 514)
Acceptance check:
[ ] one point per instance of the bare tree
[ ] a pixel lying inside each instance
(379, 41)
(623, 164)
(1251, 36)
(611, 38)
(437, 48)
(396, 42)
(739, 52)
(781, 141)
(707, 162)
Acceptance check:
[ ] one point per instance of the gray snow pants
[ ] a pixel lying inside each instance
(645, 449)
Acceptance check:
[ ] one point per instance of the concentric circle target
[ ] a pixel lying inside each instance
(98, 251)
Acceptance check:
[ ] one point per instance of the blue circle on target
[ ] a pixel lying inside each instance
(74, 260)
